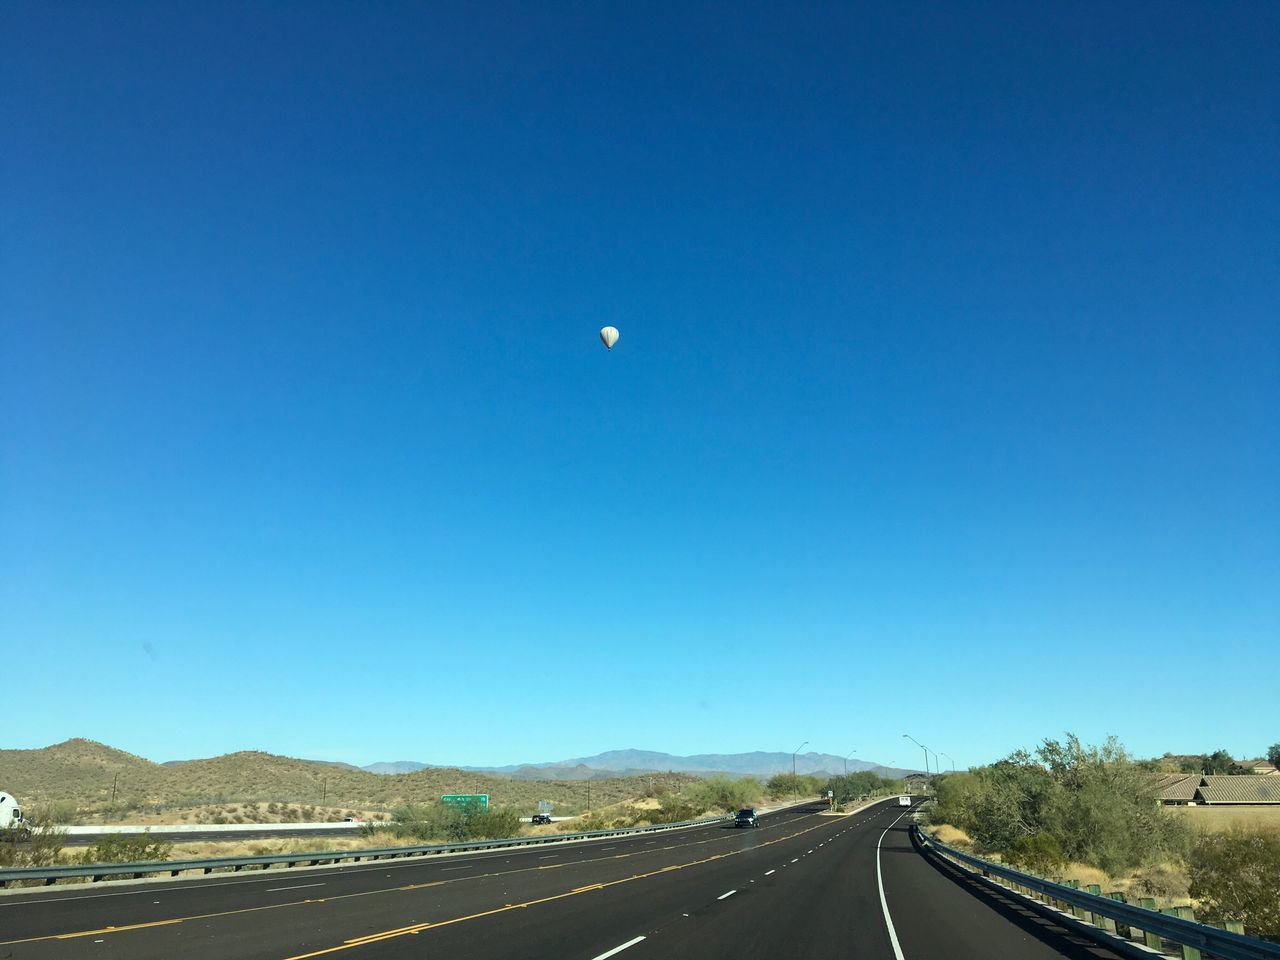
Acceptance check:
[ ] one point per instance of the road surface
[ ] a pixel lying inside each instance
(801, 885)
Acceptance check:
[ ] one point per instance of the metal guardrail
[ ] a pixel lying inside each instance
(98, 871)
(1188, 933)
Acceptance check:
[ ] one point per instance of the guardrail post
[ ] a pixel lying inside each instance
(1076, 912)
(1148, 938)
(1185, 913)
(1097, 919)
(1119, 929)
(1231, 926)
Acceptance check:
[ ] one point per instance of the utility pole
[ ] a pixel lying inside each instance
(324, 790)
(795, 786)
(588, 796)
(114, 780)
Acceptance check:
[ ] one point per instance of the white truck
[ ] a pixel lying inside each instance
(12, 823)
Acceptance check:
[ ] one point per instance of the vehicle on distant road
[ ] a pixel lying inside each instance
(540, 818)
(746, 818)
(904, 801)
(13, 826)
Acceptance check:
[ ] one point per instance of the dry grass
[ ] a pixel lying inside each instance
(219, 813)
(1166, 882)
(950, 835)
(1220, 819)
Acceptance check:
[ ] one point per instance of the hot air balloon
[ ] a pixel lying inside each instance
(609, 336)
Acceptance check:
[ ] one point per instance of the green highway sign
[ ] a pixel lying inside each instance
(467, 800)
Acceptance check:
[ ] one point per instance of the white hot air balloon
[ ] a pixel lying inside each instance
(609, 336)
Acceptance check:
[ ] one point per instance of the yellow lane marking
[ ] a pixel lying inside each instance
(132, 926)
(363, 893)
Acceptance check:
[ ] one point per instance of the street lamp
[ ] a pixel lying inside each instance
(846, 762)
(949, 757)
(922, 747)
(795, 786)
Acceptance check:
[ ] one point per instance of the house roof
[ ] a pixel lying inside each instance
(1247, 788)
(1177, 786)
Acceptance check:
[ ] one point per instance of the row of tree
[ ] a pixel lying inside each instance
(1218, 762)
(1095, 805)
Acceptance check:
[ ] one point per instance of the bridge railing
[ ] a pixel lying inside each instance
(1111, 915)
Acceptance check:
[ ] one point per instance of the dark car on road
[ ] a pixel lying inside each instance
(746, 818)
(540, 818)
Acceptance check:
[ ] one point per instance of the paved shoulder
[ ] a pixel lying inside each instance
(940, 913)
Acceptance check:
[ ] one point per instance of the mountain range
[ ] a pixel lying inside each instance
(626, 763)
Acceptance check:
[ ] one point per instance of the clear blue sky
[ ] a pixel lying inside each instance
(946, 400)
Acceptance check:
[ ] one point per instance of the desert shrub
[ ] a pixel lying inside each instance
(855, 785)
(674, 809)
(127, 848)
(607, 820)
(1236, 876)
(721, 792)
(1161, 880)
(1040, 853)
(55, 811)
(493, 824)
(1094, 800)
(42, 848)
(438, 821)
(787, 785)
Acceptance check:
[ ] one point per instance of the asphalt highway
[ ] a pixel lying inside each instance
(802, 884)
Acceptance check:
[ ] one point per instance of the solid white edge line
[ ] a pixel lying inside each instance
(726, 896)
(299, 886)
(618, 949)
(884, 904)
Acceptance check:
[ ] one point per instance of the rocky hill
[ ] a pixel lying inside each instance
(83, 773)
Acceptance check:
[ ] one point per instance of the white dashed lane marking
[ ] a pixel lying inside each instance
(618, 949)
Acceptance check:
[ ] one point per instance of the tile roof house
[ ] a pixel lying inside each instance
(1241, 789)
(1194, 788)
(1176, 787)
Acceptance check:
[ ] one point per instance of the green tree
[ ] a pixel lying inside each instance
(722, 792)
(1094, 801)
(853, 785)
(1221, 762)
(1273, 754)
(1233, 875)
(788, 785)
(1040, 853)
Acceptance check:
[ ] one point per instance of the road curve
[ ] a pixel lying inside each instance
(801, 885)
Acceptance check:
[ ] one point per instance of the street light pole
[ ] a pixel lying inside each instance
(795, 787)
(922, 747)
(949, 757)
(846, 762)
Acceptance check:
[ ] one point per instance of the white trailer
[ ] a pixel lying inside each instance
(11, 819)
